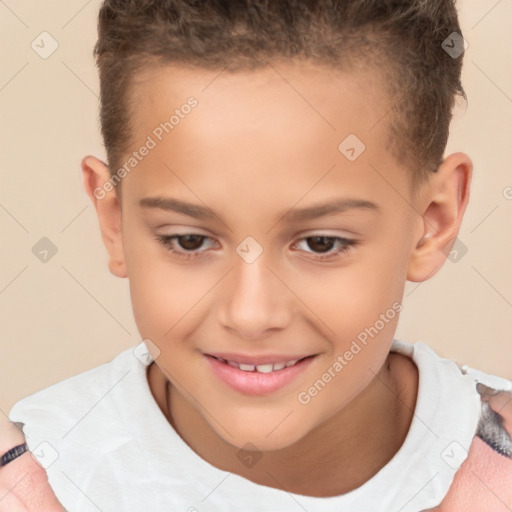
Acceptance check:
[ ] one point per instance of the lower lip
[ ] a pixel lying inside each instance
(257, 383)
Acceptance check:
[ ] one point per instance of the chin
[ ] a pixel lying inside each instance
(260, 444)
(257, 437)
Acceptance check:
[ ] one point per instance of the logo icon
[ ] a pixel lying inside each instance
(454, 45)
(351, 147)
(44, 250)
(249, 455)
(249, 250)
(44, 45)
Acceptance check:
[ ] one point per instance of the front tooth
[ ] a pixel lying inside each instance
(291, 363)
(264, 368)
(233, 364)
(279, 366)
(246, 367)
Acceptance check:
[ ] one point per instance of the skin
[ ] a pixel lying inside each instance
(24, 483)
(258, 144)
(250, 151)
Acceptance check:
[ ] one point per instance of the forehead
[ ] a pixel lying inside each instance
(275, 125)
(281, 91)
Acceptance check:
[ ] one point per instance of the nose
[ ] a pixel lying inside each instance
(254, 300)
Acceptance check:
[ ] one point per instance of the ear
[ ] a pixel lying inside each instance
(104, 198)
(446, 198)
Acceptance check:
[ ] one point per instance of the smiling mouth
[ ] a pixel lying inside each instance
(273, 372)
(262, 368)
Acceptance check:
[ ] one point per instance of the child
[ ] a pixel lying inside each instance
(275, 174)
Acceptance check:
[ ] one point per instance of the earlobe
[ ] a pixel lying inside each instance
(445, 199)
(96, 177)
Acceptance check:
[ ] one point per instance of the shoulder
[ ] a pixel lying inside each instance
(52, 411)
(484, 481)
(83, 431)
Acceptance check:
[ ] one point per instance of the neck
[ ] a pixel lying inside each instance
(336, 457)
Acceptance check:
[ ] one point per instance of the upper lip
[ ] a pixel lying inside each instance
(258, 359)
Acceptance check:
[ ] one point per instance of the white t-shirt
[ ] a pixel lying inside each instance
(107, 446)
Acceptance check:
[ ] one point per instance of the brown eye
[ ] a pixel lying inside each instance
(185, 246)
(321, 243)
(190, 242)
(322, 246)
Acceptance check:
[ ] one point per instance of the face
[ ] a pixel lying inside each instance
(228, 253)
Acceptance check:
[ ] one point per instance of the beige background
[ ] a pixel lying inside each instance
(70, 314)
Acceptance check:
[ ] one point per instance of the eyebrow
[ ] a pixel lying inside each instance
(293, 215)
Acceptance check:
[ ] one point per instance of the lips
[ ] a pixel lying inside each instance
(256, 377)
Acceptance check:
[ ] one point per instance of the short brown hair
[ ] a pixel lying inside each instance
(403, 38)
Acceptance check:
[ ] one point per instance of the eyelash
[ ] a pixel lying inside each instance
(347, 243)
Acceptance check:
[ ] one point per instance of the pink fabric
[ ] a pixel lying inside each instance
(484, 481)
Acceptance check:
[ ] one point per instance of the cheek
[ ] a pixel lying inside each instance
(161, 291)
(346, 300)
(163, 301)
(359, 308)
